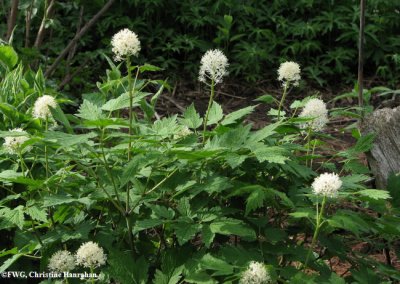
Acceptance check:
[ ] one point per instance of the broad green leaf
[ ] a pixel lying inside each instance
(148, 67)
(273, 154)
(8, 56)
(221, 267)
(6, 264)
(374, 193)
(268, 99)
(215, 114)
(59, 115)
(236, 115)
(125, 269)
(186, 231)
(123, 101)
(68, 140)
(207, 235)
(36, 214)
(90, 111)
(14, 216)
(255, 200)
(191, 118)
(232, 227)
(263, 133)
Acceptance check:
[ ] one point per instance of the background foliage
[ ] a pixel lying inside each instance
(255, 35)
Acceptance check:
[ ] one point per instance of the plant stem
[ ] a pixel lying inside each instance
(308, 144)
(45, 150)
(131, 93)
(92, 272)
(208, 110)
(282, 100)
(317, 229)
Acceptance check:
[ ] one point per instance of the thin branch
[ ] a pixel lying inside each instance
(77, 37)
(42, 29)
(12, 19)
(28, 19)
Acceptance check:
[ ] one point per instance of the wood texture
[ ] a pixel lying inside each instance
(384, 157)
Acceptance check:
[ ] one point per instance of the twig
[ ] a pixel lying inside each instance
(178, 105)
(85, 28)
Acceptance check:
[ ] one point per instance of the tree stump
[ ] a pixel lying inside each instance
(384, 157)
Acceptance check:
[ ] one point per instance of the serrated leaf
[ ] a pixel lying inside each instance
(6, 264)
(207, 235)
(68, 140)
(255, 200)
(215, 114)
(212, 263)
(186, 231)
(374, 193)
(59, 115)
(191, 118)
(14, 216)
(148, 67)
(90, 111)
(126, 270)
(236, 115)
(36, 214)
(273, 154)
(263, 133)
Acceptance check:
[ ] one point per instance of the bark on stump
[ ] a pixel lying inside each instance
(384, 157)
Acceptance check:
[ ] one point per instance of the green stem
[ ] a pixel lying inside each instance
(131, 92)
(46, 157)
(92, 272)
(312, 153)
(282, 100)
(318, 226)
(208, 110)
(308, 144)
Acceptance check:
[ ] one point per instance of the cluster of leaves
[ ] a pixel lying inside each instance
(320, 35)
(180, 209)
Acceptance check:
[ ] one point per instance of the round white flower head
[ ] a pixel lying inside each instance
(90, 255)
(255, 274)
(316, 109)
(213, 66)
(327, 184)
(289, 73)
(62, 261)
(12, 144)
(124, 44)
(41, 108)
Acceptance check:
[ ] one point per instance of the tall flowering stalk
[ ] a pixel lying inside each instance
(125, 44)
(288, 74)
(326, 185)
(212, 69)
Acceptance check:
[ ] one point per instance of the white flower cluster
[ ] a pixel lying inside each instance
(90, 255)
(289, 73)
(315, 108)
(327, 184)
(12, 144)
(124, 44)
(62, 261)
(41, 108)
(213, 66)
(255, 274)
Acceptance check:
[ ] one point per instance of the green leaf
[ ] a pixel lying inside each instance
(255, 200)
(232, 227)
(59, 115)
(374, 193)
(364, 144)
(186, 231)
(273, 154)
(215, 114)
(263, 133)
(147, 224)
(236, 115)
(207, 235)
(8, 56)
(123, 101)
(125, 269)
(212, 263)
(90, 111)
(14, 216)
(148, 67)
(6, 264)
(268, 99)
(393, 185)
(36, 214)
(68, 140)
(59, 199)
(191, 118)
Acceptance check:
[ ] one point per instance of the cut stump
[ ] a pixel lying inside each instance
(384, 157)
